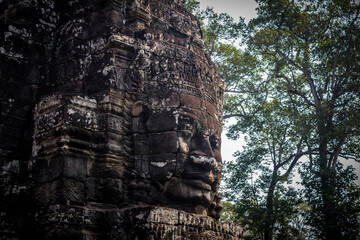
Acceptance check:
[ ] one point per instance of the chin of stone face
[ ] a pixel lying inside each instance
(111, 116)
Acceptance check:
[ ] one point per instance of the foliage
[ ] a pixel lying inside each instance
(192, 6)
(309, 99)
(249, 192)
(228, 213)
(216, 28)
(311, 51)
(347, 198)
(273, 148)
(294, 91)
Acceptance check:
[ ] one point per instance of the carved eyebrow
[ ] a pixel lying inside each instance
(189, 115)
(187, 135)
(187, 126)
(200, 128)
(196, 124)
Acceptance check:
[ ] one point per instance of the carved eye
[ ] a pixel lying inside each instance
(187, 135)
(215, 142)
(186, 123)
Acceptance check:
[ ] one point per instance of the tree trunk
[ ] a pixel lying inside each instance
(332, 229)
(328, 182)
(269, 217)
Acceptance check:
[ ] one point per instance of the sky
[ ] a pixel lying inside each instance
(235, 8)
(245, 9)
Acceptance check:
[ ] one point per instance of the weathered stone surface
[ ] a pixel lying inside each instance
(167, 223)
(108, 105)
(162, 122)
(164, 142)
(139, 222)
(162, 166)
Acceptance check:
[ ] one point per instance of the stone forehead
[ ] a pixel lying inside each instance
(198, 108)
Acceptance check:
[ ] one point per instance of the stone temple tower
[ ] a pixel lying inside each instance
(110, 124)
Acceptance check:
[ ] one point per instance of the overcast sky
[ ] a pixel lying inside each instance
(235, 8)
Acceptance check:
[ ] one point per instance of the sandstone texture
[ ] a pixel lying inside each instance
(110, 124)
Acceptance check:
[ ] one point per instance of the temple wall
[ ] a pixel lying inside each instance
(110, 123)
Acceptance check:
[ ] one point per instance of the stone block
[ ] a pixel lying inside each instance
(158, 223)
(49, 120)
(58, 167)
(141, 144)
(112, 101)
(162, 166)
(138, 125)
(59, 191)
(165, 142)
(57, 110)
(73, 48)
(142, 163)
(114, 167)
(162, 121)
(210, 109)
(82, 111)
(105, 190)
(68, 222)
(110, 122)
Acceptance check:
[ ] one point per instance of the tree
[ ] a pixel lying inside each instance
(250, 177)
(309, 52)
(347, 198)
(294, 91)
(192, 6)
(273, 149)
(216, 28)
(267, 114)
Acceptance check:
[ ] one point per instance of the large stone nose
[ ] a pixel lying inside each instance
(203, 145)
(200, 158)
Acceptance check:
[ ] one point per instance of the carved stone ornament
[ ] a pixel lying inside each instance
(111, 120)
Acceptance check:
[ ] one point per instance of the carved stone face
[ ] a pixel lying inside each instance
(199, 162)
(181, 154)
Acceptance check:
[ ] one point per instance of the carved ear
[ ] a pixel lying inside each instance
(137, 109)
(139, 115)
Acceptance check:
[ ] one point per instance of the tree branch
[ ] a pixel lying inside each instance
(272, 153)
(334, 69)
(243, 91)
(309, 103)
(283, 55)
(306, 73)
(349, 157)
(292, 165)
(312, 86)
(296, 157)
(234, 115)
(335, 154)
